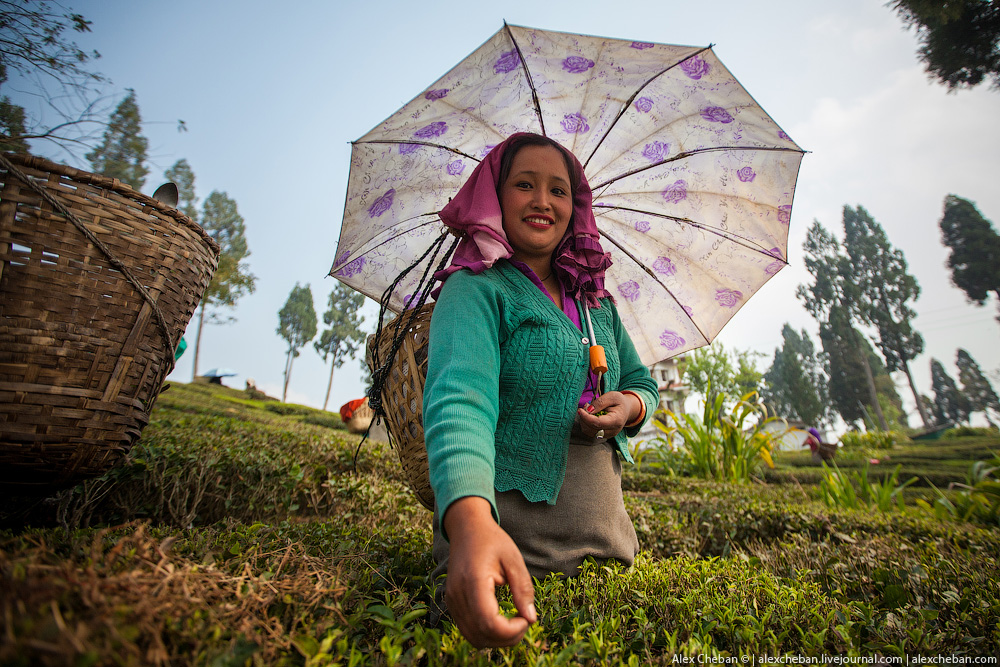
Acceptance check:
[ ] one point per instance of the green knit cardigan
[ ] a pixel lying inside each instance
(505, 373)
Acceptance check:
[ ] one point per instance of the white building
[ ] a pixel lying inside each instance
(673, 392)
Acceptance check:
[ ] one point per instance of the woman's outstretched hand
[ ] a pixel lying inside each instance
(618, 408)
(481, 557)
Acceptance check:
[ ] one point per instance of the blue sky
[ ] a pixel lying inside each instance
(273, 93)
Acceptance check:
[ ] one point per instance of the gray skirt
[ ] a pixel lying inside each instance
(588, 519)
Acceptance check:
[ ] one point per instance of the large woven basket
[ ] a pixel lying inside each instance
(403, 397)
(97, 284)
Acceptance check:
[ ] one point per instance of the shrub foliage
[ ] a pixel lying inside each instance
(234, 535)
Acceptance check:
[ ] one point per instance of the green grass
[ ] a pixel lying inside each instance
(235, 535)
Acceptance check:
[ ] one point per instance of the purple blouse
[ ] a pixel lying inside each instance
(571, 311)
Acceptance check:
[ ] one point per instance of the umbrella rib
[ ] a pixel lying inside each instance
(527, 74)
(650, 273)
(729, 236)
(419, 143)
(629, 101)
(687, 154)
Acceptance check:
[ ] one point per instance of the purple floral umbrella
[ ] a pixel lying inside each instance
(693, 181)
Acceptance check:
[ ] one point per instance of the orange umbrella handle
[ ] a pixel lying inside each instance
(598, 362)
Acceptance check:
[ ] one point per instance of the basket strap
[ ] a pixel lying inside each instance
(115, 262)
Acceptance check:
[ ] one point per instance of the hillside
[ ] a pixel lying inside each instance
(241, 532)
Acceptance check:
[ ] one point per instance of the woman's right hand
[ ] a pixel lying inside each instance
(481, 557)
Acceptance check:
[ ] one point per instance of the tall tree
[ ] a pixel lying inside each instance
(834, 300)
(852, 382)
(344, 335)
(713, 370)
(975, 249)
(885, 288)
(297, 325)
(748, 378)
(12, 126)
(950, 404)
(976, 388)
(220, 217)
(888, 398)
(36, 50)
(795, 384)
(182, 176)
(928, 403)
(826, 264)
(959, 39)
(122, 152)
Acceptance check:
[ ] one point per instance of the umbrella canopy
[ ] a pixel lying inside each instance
(693, 181)
(219, 373)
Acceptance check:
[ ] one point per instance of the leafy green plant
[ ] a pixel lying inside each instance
(724, 446)
(837, 491)
(854, 490)
(660, 455)
(978, 500)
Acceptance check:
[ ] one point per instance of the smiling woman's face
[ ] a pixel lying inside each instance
(537, 203)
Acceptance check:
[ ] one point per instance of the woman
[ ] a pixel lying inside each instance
(523, 446)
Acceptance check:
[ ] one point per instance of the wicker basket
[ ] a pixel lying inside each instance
(827, 450)
(98, 283)
(403, 397)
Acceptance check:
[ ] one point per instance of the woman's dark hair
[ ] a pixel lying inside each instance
(517, 143)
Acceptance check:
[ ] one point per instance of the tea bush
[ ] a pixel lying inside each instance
(233, 535)
(325, 420)
(873, 439)
(970, 431)
(289, 409)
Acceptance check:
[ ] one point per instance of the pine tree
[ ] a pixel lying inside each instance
(975, 249)
(950, 404)
(220, 217)
(884, 288)
(344, 335)
(976, 388)
(122, 153)
(297, 325)
(232, 281)
(852, 383)
(182, 176)
(834, 300)
(825, 263)
(795, 385)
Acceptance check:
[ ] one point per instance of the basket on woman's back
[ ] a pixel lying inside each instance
(403, 395)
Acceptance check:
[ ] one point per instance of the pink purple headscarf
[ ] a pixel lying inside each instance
(474, 214)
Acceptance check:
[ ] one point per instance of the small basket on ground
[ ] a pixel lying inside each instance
(356, 415)
(97, 284)
(403, 397)
(825, 451)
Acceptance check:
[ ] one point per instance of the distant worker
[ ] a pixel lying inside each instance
(821, 451)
